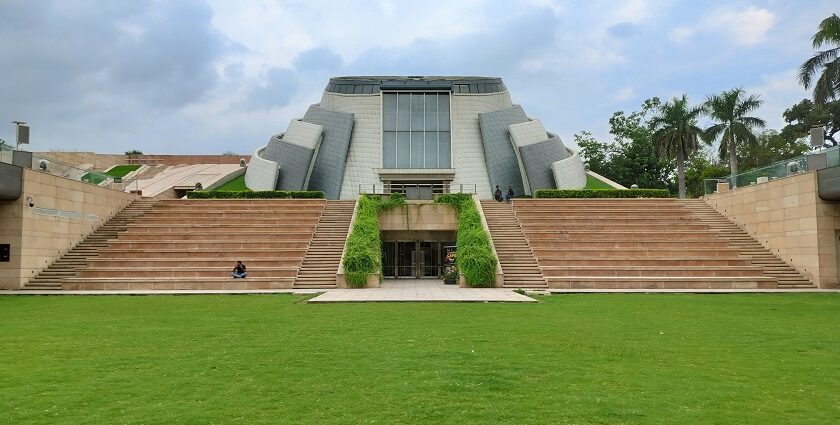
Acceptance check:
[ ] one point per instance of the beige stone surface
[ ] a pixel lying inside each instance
(64, 213)
(787, 217)
(419, 216)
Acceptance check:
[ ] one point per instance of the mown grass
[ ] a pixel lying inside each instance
(122, 170)
(582, 359)
(237, 184)
(595, 183)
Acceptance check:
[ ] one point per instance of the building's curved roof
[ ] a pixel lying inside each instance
(374, 84)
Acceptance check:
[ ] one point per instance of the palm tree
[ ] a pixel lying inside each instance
(676, 135)
(729, 109)
(827, 87)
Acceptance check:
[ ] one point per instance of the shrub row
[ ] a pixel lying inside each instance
(473, 256)
(602, 193)
(364, 245)
(250, 194)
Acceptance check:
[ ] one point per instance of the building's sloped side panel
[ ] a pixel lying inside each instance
(261, 173)
(303, 134)
(501, 160)
(467, 147)
(365, 156)
(293, 160)
(527, 133)
(538, 158)
(569, 173)
(328, 170)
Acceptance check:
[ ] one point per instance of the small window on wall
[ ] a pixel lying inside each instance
(415, 130)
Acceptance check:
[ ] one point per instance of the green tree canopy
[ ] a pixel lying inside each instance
(804, 115)
(676, 134)
(732, 126)
(826, 63)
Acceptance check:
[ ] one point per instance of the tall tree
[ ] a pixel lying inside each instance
(676, 134)
(769, 147)
(732, 125)
(825, 62)
(804, 115)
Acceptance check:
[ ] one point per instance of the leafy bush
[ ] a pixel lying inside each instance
(364, 245)
(473, 255)
(250, 194)
(602, 193)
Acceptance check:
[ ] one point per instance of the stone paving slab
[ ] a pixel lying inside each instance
(420, 290)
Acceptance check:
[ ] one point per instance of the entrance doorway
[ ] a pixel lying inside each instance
(413, 259)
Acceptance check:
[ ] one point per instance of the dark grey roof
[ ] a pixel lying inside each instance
(373, 84)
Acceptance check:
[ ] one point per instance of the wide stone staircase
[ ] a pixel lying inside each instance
(641, 243)
(194, 244)
(518, 264)
(89, 248)
(324, 254)
(748, 247)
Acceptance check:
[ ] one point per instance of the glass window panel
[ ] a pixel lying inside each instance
(417, 119)
(444, 150)
(431, 149)
(443, 112)
(389, 112)
(431, 112)
(403, 117)
(403, 149)
(389, 149)
(417, 149)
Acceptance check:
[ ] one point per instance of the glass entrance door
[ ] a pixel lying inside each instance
(406, 259)
(412, 259)
(429, 259)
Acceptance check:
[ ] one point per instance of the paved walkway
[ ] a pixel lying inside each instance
(420, 290)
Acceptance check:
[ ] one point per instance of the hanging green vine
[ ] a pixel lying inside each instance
(364, 245)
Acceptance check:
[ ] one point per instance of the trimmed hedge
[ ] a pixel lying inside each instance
(473, 256)
(603, 193)
(250, 194)
(364, 245)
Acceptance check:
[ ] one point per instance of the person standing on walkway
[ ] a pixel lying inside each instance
(509, 195)
(497, 195)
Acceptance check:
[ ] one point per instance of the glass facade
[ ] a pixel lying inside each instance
(415, 130)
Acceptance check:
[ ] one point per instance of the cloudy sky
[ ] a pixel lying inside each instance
(195, 76)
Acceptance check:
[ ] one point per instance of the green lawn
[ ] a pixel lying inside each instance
(122, 170)
(234, 185)
(594, 183)
(94, 178)
(573, 359)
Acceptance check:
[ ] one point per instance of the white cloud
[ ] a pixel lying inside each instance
(741, 27)
(747, 27)
(779, 91)
(624, 94)
(680, 34)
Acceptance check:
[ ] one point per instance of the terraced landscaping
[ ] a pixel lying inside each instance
(583, 359)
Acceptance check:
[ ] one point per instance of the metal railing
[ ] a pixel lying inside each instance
(416, 191)
(809, 162)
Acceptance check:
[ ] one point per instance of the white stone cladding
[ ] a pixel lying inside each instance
(261, 174)
(365, 156)
(527, 133)
(303, 134)
(569, 173)
(467, 147)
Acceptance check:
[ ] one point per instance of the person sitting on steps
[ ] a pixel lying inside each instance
(239, 271)
(497, 195)
(509, 195)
